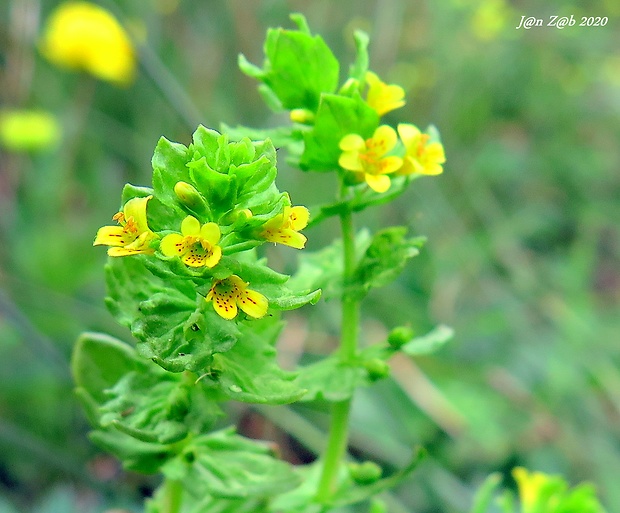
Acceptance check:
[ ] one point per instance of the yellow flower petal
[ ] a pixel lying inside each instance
(299, 217)
(408, 133)
(113, 236)
(224, 305)
(125, 251)
(382, 97)
(378, 183)
(253, 303)
(385, 137)
(197, 256)
(136, 208)
(173, 245)
(352, 142)
(288, 237)
(390, 164)
(213, 257)
(210, 232)
(351, 161)
(190, 227)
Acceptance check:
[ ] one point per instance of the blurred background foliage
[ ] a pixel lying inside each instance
(523, 258)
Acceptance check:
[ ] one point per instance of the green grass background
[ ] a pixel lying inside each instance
(523, 258)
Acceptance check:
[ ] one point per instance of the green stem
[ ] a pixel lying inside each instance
(173, 495)
(339, 427)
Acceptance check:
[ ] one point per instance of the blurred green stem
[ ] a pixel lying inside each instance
(173, 496)
(339, 427)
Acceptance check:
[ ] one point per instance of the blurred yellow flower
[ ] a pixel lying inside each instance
(81, 35)
(232, 293)
(368, 159)
(383, 97)
(28, 130)
(133, 236)
(422, 157)
(284, 228)
(196, 245)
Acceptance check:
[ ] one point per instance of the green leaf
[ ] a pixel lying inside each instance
(225, 465)
(169, 167)
(135, 454)
(429, 343)
(156, 406)
(298, 67)
(386, 257)
(331, 380)
(249, 371)
(336, 117)
(174, 325)
(323, 269)
(99, 361)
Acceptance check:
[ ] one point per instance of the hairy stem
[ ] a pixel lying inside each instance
(339, 427)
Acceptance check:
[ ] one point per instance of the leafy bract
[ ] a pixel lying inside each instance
(386, 257)
(172, 323)
(249, 372)
(156, 406)
(99, 361)
(336, 117)
(227, 466)
(298, 67)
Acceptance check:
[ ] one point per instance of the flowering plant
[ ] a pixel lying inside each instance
(187, 277)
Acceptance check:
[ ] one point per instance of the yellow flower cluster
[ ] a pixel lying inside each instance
(84, 36)
(371, 161)
(198, 246)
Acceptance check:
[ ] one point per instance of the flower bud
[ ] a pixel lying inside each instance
(400, 336)
(365, 473)
(303, 116)
(377, 369)
(190, 197)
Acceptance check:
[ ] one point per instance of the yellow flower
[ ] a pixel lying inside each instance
(133, 236)
(284, 228)
(196, 245)
(23, 130)
(368, 158)
(81, 35)
(383, 97)
(230, 294)
(422, 157)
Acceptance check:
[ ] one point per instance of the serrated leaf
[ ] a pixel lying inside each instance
(323, 269)
(298, 67)
(99, 361)
(331, 380)
(135, 454)
(169, 167)
(174, 325)
(158, 407)
(429, 343)
(249, 371)
(225, 465)
(386, 257)
(336, 117)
